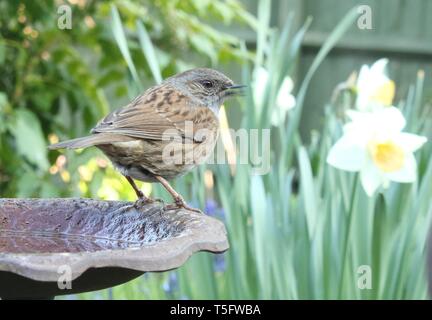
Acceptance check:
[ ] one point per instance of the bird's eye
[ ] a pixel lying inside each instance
(207, 84)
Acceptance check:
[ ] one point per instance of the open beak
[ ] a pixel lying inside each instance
(234, 90)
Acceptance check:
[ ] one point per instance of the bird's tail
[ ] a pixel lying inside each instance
(93, 140)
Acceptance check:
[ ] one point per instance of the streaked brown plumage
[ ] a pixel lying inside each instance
(164, 132)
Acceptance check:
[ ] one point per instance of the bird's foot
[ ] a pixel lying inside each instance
(143, 200)
(180, 203)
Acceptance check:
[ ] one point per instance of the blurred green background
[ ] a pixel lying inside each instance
(298, 232)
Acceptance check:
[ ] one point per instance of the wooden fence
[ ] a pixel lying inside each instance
(401, 31)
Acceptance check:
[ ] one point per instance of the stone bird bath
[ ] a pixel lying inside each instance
(96, 244)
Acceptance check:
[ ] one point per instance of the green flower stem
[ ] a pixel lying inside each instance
(348, 232)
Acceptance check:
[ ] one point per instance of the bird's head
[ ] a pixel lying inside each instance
(210, 87)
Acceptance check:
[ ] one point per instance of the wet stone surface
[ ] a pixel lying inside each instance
(54, 226)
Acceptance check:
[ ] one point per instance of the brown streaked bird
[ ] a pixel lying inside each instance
(164, 132)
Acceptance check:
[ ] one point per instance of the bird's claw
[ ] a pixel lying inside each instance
(142, 201)
(180, 203)
(158, 200)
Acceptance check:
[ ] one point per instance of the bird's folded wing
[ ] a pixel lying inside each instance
(160, 113)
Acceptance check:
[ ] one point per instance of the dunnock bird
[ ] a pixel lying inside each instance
(164, 132)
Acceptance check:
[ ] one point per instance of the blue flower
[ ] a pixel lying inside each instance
(219, 264)
(171, 284)
(213, 209)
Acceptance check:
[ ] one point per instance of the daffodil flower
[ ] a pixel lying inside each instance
(284, 99)
(374, 145)
(374, 88)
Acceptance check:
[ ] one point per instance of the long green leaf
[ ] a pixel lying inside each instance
(149, 52)
(120, 38)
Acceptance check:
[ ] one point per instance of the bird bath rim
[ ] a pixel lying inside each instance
(202, 233)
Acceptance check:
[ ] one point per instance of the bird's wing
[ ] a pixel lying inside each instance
(158, 110)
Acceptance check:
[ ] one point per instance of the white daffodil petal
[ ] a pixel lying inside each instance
(371, 81)
(354, 115)
(287, 85)
(260, 77)
(371, 178)
(379, 66)
(362, 79)
(408, 172)
(410, 142)
(346, 156)
(278, 116)
(382, 123)
(285, 99)
(390, 119)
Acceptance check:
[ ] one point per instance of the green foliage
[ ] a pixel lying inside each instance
(30, 142)
(300, 231)
(63, 81)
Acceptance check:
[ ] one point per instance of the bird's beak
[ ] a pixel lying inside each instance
(234, 90)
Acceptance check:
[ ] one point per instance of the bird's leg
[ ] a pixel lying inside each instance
(178, 199)
(138, 192)
(142, 199)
